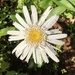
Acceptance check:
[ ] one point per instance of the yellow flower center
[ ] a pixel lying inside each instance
(35, 35)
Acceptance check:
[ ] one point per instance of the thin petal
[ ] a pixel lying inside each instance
(44, 16)
(34, 54)
(14, 38)
(56, 48)
(53, 31)
(51, 54)
(29, 55)
(44, 56)
(21, 21)
(50, 22)
(51, 48)
(38, 57)
(15, 32)
(57, 36)
(26, 15)
(18, 46)
(18, 26)
(20, 50)
(56, 42)
(25, 52)
(34, 14)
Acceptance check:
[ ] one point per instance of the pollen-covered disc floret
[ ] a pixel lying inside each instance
(36, 35)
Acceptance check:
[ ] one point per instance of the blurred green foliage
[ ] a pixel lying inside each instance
(9, 64)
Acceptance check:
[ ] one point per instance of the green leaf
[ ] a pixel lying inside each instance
(13, 18)
(59, 48)
(67, 4)
(18, 10)
(20, 6)
(68, 15)
(3, 31)
(58, 10)
(20, 3)
(45, 3)
(11, 73)
(72, 1)
(4, 65)
(64, 71)
(57, 2)
(40, 65)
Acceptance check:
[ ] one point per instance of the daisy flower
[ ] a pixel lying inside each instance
(36, 38)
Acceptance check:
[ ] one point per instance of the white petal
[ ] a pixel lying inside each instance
(34, 54)
(51, 54)
(15, 32)
(14, 38)
(29, 55)
(56, 48)
(44, 16)
(53, 31)
(25, 52)
(38, 57)
(44, 56)
(21, 21)
(20, 50)
(18, 26)
(57, 36)
(19, 46)
(34, 14)
(56, 42)
(50, 22)
(26, 15)
(51, 48)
